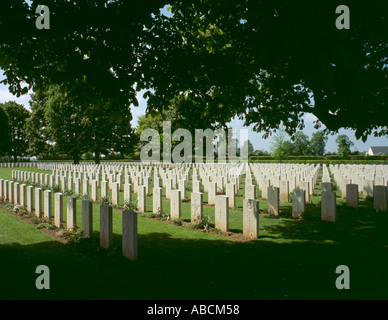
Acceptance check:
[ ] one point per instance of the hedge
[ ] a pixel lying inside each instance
(327, 162)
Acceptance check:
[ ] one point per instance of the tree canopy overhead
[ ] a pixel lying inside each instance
(91, 49)
(267, 61)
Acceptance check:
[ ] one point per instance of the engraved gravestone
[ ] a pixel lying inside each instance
(251, 218)
(196, 207)
(222, 213)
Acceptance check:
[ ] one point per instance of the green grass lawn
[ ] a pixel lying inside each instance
(291, 260)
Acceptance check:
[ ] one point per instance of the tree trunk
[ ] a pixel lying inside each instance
(76, 158)
(15, 158)
(97, 157)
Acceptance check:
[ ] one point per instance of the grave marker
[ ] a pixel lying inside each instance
(71, 213)
(106, 226)
(328, 206)
(251, 218)
(273, 200)
(87, 218)
(129, 235)
(196, 207)
(298, 203)
(175, 204)
(58, 210)
(222, 213)
(352, 195)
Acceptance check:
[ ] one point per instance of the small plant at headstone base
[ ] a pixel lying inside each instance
(35, 220)
(9, 207)
(148, 215)
(105, 200)
(46, 223)
(191, 226)
(130, 205)
(204, 224)
(43, 225)
(28, 214)
(68, 193)
(162, 215)
(177, 221)
(56, 188)
(27, 182)
(23, 213)
(18, 209)
(84, 197)
(216, 230)
(74, 236)
(61, 233)
(51, 226)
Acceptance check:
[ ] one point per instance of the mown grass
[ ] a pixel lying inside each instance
(293, 259)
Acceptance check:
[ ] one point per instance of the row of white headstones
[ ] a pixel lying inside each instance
(276, 182)
(34, 200)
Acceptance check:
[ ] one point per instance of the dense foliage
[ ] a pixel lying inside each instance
(267, 61)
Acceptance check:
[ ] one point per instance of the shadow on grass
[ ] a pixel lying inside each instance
(170, 268)
(294, 259)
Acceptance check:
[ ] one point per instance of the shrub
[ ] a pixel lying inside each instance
(61, 233)
(74, 236)
(105, 200)
(71, 236)
(68, 193)
(28, 214)
(163, 215)
(130, 205)
(47, 224)
(177, 221)
(35, 220)
(148, 215)
(84, 196)
(9, 207)
(56, 188)
(266, 158)
(18, 209)
(42, 225)
(204, 224)
(51, 226)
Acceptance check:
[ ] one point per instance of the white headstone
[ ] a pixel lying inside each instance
(328, 206)
(222, 213)
(196, 207)
(251, 218)
(175, 204)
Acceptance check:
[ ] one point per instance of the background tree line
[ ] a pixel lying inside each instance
(58, 128)
(301, 145)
